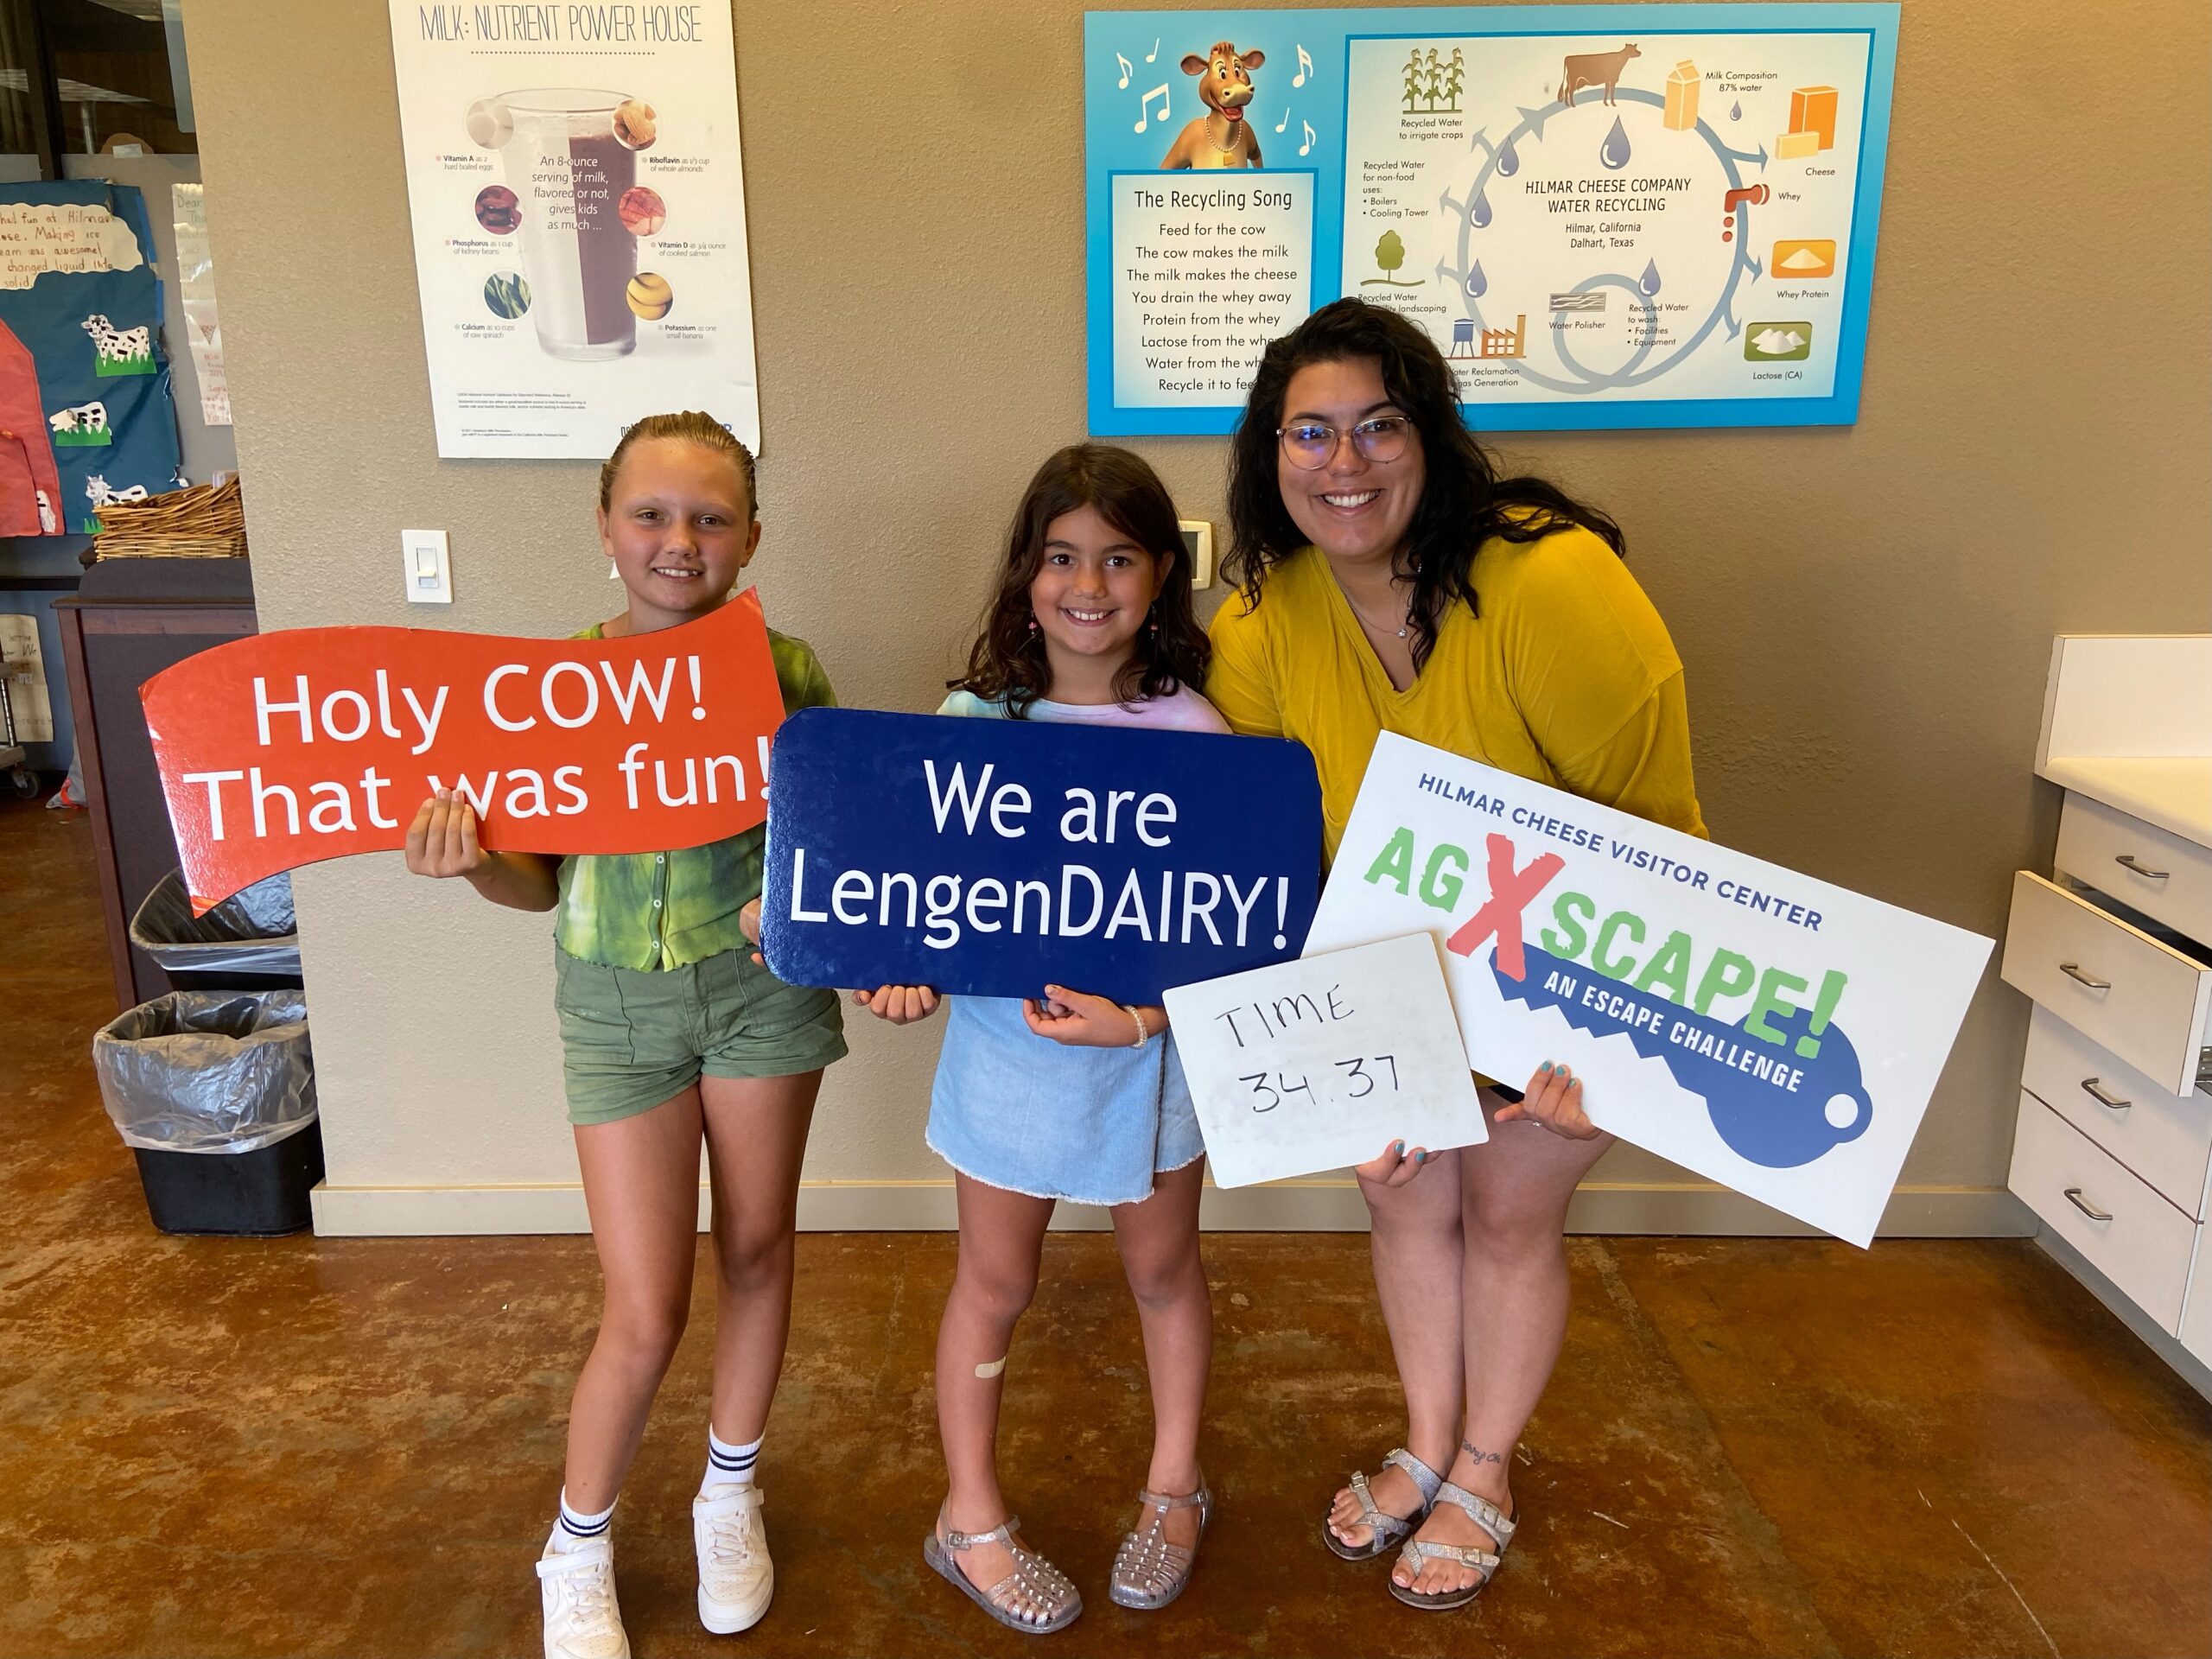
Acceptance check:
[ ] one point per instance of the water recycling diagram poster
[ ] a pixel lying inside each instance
(578, 199)
(1604, 216)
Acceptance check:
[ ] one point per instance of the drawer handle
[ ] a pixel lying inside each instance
(2128, 861)
(2073, 970)
(2104, 1097)
(2074, 1196)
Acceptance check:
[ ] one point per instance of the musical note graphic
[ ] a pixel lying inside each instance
(1144, 106)
(1285, 122)
(1154, 52)
(1305, 69)
(1311, 137)
(1124, 62)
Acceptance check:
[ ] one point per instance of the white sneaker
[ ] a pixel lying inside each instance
(736, 1577)
(582, 1618)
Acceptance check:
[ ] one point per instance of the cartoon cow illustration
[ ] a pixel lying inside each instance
(96, 492)
(84, 417)
(1221, 136)
(1594, 69)
(116, 345)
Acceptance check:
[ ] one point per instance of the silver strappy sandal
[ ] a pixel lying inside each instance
(1055, 1600)
(1149, 1572)
(1384, 1530)
(1486, 1515)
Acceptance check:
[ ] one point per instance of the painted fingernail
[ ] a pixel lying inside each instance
(1421, 1157)
(1546, 1066)
(1397, 1149)
(1565, 1073)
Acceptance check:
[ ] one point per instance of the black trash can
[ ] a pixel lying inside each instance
(213, 1093)
(247, 942)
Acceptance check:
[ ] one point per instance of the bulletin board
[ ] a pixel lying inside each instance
(1604, 216)
(87, 416)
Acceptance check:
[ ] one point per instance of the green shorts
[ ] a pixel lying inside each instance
(631, 1038)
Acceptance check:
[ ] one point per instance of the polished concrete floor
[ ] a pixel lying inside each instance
(239, 1447)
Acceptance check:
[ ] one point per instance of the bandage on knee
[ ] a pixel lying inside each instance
(993, 1368)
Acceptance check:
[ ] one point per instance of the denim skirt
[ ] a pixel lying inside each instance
(1024, 1114)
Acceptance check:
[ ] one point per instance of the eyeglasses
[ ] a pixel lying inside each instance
(1309, 444)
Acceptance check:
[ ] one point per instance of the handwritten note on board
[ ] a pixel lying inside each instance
(1316, 1064)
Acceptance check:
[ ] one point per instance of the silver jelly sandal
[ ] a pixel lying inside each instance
(1149, 1572)
(1033, 1580)
(1384, 1530)
(1486, 1515)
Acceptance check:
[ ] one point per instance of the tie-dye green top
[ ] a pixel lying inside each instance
(663, 910)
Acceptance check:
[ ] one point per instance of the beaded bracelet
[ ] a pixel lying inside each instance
(1144, 1034)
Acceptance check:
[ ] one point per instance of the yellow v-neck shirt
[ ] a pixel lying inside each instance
(1566, 676)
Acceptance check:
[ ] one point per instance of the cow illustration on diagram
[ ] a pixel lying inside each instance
(1594, 69)
(1221, 136)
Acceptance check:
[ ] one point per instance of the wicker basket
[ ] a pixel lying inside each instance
(205, 522)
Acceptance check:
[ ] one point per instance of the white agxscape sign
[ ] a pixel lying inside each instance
(1770, 1030)
(1316, 1064)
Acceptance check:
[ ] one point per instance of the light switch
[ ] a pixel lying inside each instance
(1197, 541)
(429, 570)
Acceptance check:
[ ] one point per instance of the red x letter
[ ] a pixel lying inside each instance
(1510, 890)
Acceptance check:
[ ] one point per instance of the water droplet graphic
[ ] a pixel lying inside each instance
(1477, 284)
(1614, 151)
(1509, 161)
(1649, 281)
(1478, 213)
(1735, 111)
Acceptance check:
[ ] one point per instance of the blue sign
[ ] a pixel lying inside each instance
(1604, 216)
(989, 857)
(1779, 1100)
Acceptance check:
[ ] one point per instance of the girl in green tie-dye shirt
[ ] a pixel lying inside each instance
(671, 1035)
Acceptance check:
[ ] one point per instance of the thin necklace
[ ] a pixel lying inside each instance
(1236, 142)
(1368, 622)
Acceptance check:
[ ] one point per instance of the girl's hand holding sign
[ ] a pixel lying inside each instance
(1078, 1021)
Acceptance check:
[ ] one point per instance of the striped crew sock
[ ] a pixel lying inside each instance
(727, 1464)
(572, 1529)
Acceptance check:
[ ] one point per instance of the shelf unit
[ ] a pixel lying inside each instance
(2113, 1150)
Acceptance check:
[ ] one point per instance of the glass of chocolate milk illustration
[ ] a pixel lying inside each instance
(568, 169)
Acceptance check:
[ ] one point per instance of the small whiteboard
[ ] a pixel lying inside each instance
(1312, 1064)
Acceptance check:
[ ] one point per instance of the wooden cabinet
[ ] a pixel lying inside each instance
(128, 620)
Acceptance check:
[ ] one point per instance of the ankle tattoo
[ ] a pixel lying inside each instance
(1479, 1455)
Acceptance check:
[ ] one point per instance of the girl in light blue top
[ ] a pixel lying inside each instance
(1071, 1095)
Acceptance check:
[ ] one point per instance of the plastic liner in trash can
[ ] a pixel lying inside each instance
(246, 943)
(214, 1094)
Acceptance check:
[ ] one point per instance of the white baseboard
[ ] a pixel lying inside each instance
(1310, 1206)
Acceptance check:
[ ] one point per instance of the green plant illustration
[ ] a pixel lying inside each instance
(1432, 86)
(1389, 255)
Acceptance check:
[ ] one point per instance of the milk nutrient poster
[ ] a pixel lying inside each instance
(579, 210)
(1604, 216)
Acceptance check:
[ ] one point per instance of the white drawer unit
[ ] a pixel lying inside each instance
(2128, 991)
(2143, 867)
(2165, 1138)
(2114, 1146)
(2128, 1233)
(2195, 1330)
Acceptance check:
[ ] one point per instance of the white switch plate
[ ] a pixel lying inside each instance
(429, 567)
(1198, 541)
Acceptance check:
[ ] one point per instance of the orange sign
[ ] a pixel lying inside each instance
(310, 743)
(1804, 260)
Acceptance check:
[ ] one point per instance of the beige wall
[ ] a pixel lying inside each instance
(1866, 612)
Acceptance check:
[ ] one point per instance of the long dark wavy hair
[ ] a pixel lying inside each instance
(1463, 505)
(1170, 650)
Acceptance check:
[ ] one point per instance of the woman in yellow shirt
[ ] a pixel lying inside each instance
(1390, 580)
